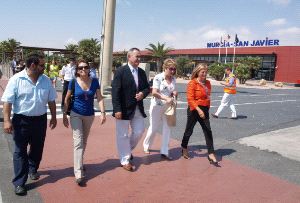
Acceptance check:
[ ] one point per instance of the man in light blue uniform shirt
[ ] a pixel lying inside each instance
(93, 73)
(27, 95)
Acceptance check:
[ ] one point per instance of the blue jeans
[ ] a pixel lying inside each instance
(28, 130)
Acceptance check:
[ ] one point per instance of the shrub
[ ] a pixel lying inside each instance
(242, 72)
(216, 70)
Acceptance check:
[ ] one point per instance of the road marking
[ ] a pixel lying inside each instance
(60, 115)
(0, 197)
(259, 95)
(267, 102)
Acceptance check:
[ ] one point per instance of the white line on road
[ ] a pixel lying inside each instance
(0, 197)
(267, 102)
(59, 115)
(259, 95)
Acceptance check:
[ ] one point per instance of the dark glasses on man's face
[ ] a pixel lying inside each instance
(83, 67)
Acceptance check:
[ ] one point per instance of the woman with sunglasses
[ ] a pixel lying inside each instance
(82, 113)
(198, 98)
(163, 92)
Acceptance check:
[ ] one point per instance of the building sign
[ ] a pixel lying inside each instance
(254, 43)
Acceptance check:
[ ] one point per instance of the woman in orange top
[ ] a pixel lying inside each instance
(198, 97)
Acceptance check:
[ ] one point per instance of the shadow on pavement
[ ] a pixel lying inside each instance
(237, 118)
(92, 171)
(220, 153)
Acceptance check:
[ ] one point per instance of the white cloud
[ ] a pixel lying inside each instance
(199, 37)
(288, 31)
(169, 37)
(288, 36)
(280, 2)
(276, 22)
(71, 41)
(194, 38)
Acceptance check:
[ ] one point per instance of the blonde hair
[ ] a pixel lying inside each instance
(169, 63)
(198, 68)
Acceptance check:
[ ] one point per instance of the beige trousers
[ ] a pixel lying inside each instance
(81, 126)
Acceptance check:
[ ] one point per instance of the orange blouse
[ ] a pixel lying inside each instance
(198, 94)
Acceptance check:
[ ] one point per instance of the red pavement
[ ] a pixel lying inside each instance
(154, 179)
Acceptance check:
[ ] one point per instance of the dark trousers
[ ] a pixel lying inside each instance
(192, 118)
(28, 130)
(64, 93)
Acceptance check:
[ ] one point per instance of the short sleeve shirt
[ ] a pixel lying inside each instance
(27, 98)
(84, 99)
(68, 72)
(160, 83)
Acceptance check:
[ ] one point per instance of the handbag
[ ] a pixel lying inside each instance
(72, 97)
(170, 113)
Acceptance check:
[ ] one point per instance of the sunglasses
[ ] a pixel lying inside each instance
(83, 67)
(172, 69)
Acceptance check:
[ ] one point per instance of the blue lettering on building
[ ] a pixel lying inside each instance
(253, 43)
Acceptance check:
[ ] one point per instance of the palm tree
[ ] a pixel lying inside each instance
(159, 52)
(89, 49)
(10, 46)
(72, 47)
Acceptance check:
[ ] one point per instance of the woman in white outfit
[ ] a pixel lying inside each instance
(163, 92)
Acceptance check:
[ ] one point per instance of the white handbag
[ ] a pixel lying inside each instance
(170, 113)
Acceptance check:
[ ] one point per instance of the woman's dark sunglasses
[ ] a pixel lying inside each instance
(83, 67)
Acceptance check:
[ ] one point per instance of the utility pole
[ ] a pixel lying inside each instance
(107, 40)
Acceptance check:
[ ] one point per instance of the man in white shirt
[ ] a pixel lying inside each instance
(67, 73)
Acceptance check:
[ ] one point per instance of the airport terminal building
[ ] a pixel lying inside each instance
(279, 63)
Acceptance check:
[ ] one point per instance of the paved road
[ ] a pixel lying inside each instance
(259, 111)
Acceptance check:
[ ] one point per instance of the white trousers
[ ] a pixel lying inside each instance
(81, 126)
(227, 100)
(128, 139)
(157, 117)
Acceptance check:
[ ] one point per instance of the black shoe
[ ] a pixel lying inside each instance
(80, 182)
(214, 115)
(215, 163)
(131, 157)
(166, 157)
(20, 190)
(34, 176)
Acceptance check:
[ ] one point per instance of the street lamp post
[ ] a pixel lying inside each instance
(107, 40)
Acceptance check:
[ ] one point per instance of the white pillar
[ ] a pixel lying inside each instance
(107, 40)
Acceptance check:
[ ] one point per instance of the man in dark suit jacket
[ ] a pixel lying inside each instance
(129, 87)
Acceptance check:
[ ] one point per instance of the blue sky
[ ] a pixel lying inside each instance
(178, 23)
